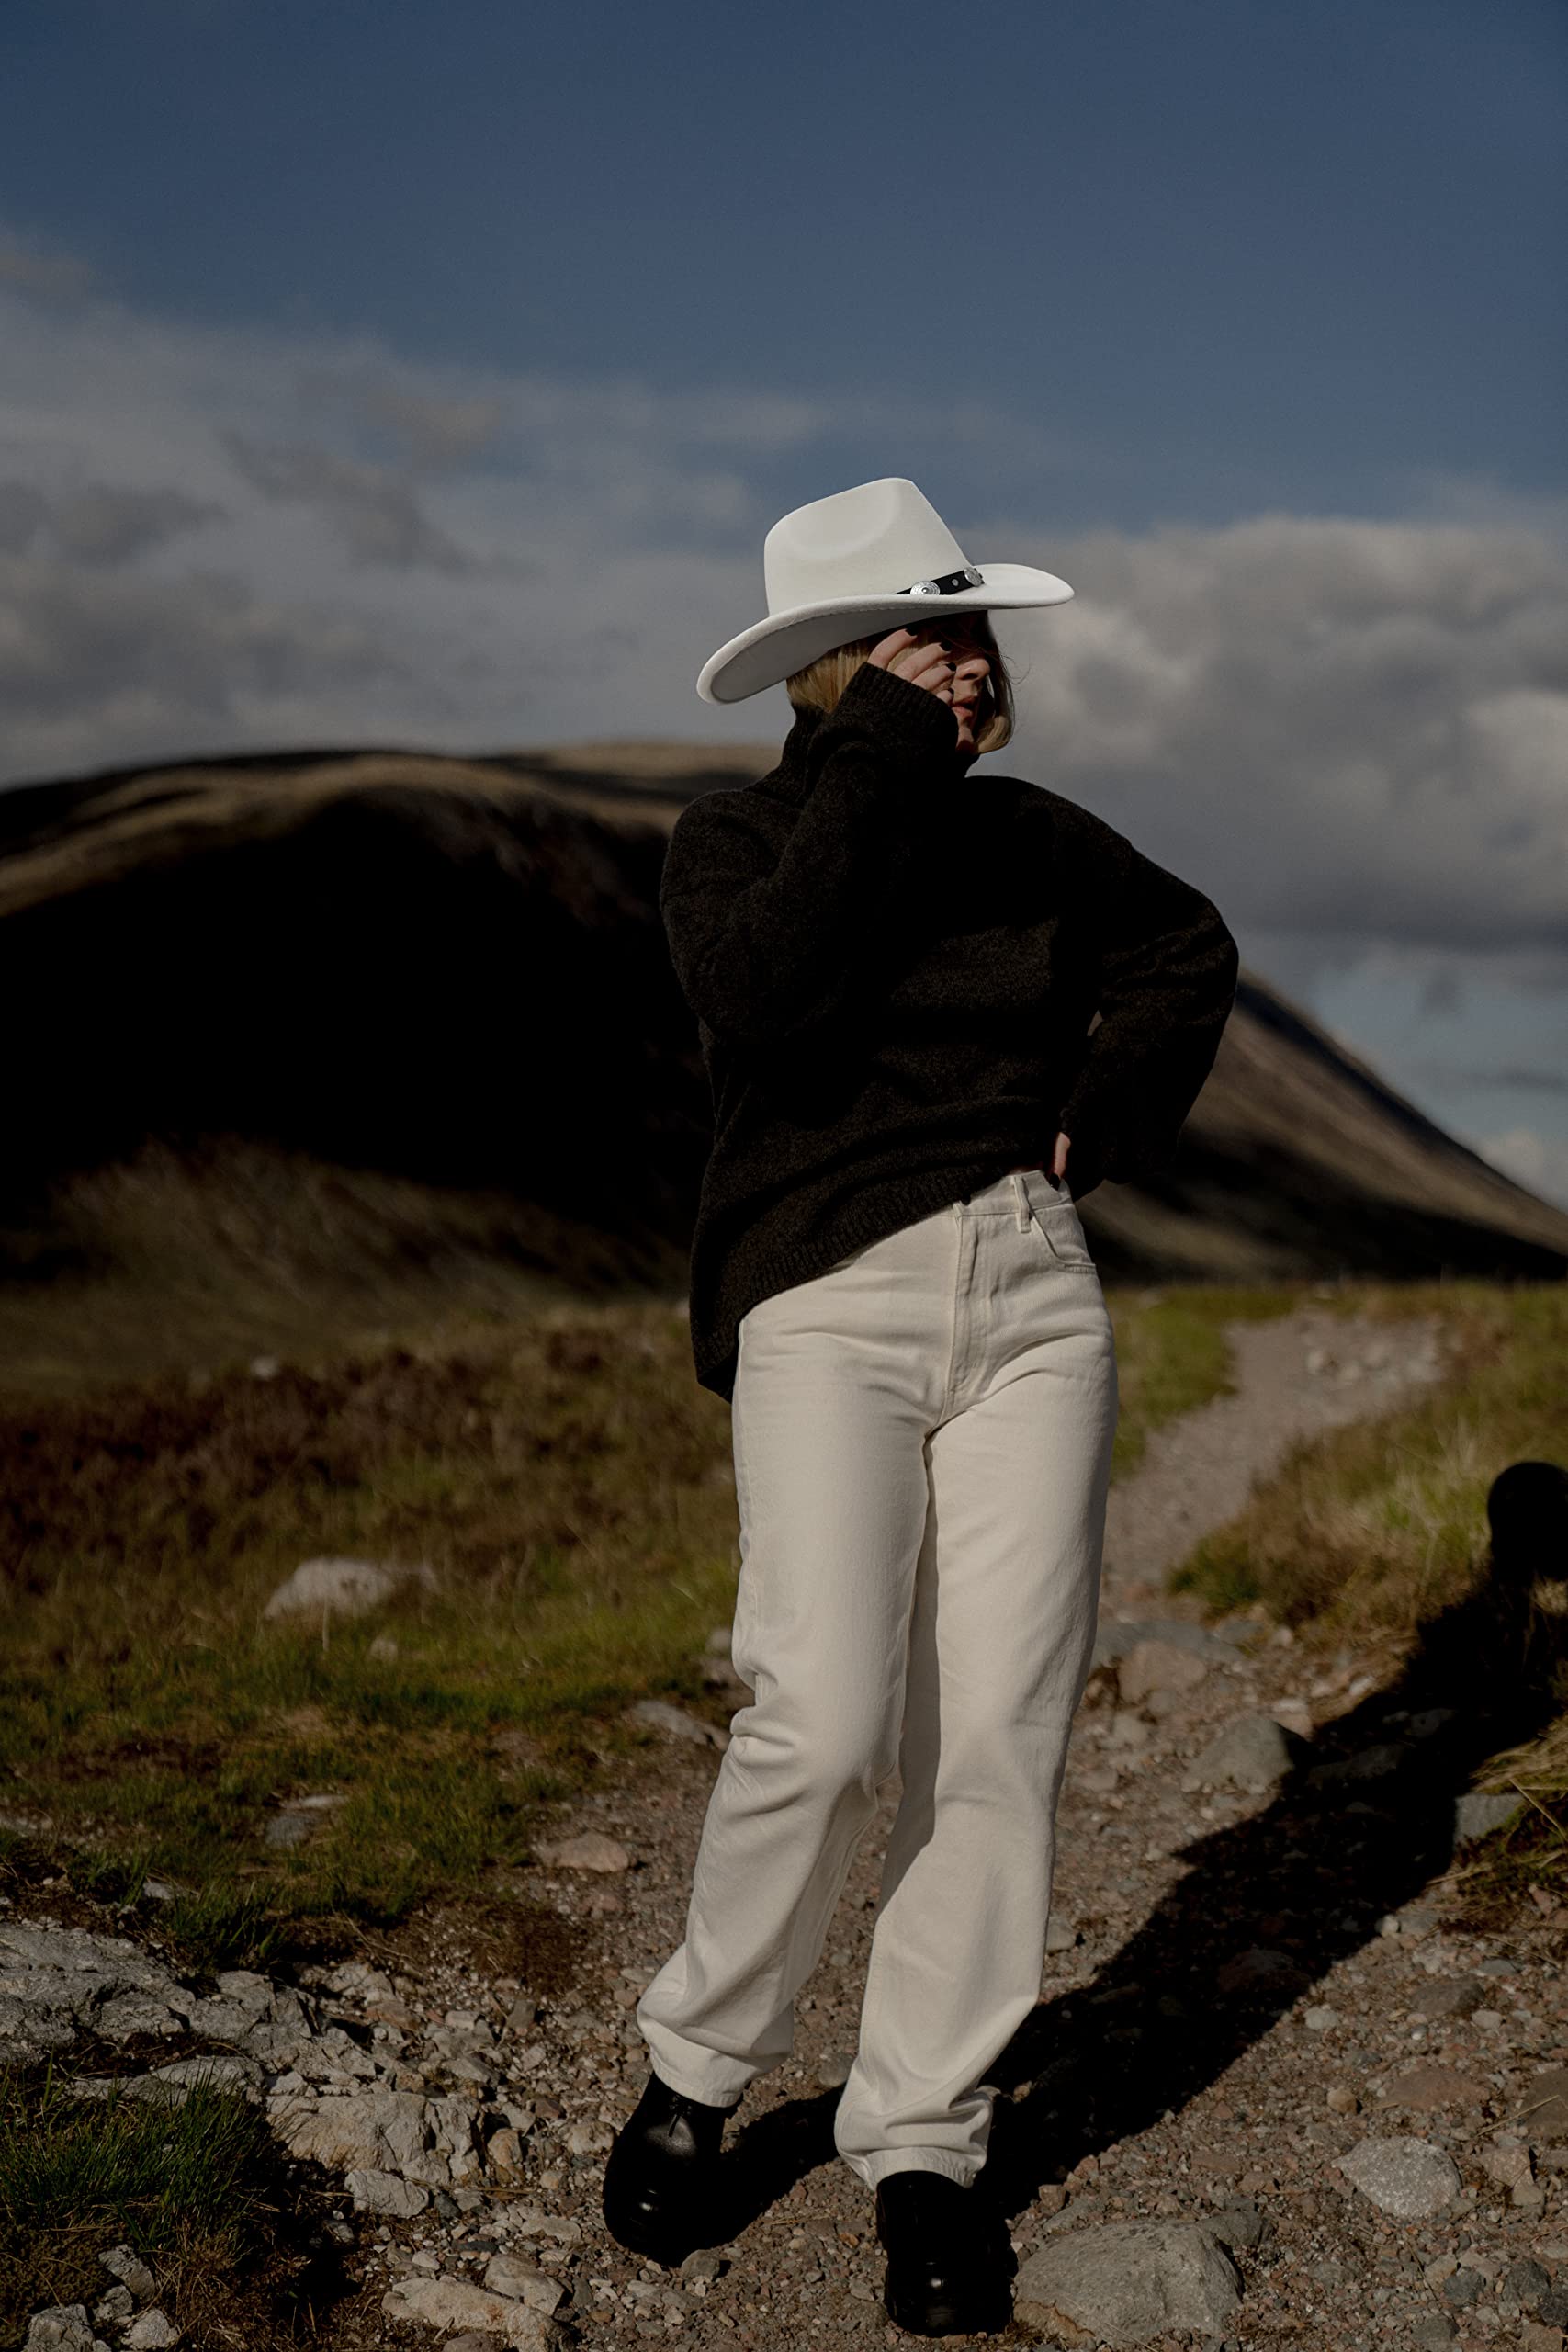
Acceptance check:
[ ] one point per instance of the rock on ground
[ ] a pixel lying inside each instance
(450, 2304)
(1409, 2178)
(1128, 2281)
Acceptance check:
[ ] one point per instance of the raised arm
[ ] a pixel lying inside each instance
(767, 952)
(1168, 976)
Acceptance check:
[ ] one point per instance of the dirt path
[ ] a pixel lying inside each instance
(1249, 1981)
(1295, 1375)
(1144, 2127)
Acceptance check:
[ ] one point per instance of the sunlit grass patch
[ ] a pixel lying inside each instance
(1364, 1530)
(1530, 1852)
(1367, 1534)
(567, 1486)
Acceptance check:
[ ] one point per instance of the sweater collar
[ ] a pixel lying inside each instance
(790, 778)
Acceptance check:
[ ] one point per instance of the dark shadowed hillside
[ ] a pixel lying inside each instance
(451, 973)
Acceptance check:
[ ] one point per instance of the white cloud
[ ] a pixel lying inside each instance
(1356, 731)
(1354, 734)
(1538, 1162)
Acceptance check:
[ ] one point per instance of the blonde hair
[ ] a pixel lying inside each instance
(820, 685)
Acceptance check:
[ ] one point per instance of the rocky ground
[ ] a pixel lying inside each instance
(1272, 2094)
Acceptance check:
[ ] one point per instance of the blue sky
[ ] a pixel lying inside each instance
(392, 372)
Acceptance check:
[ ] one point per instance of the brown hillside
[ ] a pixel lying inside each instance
(402, 962)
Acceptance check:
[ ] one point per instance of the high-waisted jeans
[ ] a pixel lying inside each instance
(922, 1451)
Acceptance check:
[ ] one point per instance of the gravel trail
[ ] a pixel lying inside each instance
(1269, 2096)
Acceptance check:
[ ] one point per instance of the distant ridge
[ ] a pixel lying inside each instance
(403, 960)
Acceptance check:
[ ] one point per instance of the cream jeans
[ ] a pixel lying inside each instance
(922, 1448)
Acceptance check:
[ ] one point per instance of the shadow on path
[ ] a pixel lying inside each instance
(1270, 1905)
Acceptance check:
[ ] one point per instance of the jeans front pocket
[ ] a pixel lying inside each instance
(1054, 1218)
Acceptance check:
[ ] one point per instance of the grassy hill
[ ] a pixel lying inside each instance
(301, 1053)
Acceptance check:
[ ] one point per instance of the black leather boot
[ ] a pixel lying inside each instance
(950, 2257)
(662, 2193)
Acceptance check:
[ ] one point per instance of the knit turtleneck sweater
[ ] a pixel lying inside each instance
(894, 967)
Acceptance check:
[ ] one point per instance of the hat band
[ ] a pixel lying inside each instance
(949, 585)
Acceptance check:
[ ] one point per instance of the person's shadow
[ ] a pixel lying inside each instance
(1363, 1821)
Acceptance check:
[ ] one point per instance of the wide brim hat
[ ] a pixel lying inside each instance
(865, 561)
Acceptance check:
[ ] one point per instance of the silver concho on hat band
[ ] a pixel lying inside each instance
(949, 585)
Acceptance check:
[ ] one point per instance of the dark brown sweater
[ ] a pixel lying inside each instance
(894, 966)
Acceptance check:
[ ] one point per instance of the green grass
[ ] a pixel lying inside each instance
(190, 2186)
(563, 1478)
(1367, 1534)
(1365, 1530)
(1172, 1355)
(567, 1484)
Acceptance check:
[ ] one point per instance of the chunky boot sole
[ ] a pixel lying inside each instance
(986, 2313)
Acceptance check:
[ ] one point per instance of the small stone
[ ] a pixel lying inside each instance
(1152, 1666)
(1447, 1997)
(1463, 2287)
(117, 2305)
(341, 1587)
(1253, 1753)
(591, 1852)
(522, 2282)
(1407, 2177)
(1508, 2162)
(453, 2304)
(152, 2332)
(122, 2263)
(1320, 2019)
(529, 2221)
(1427, 2088)
(505, 2156)
(1432, 2332)
(1527, 2282)
(1479, 1812)
(63, 2327)
(386, 2193)
(664, 1717)
(1545, 2103)
(1237, 2225)
(1341, 2099)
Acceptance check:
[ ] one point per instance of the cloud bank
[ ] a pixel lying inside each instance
(1354, 733)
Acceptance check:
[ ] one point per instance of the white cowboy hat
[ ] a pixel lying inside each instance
(857, 564)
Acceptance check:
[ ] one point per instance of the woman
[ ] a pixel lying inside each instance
(895, 968)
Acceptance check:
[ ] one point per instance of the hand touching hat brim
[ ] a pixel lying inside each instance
(774, 649)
